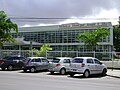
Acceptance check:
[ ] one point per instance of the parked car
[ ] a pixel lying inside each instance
(36, 63)
(59, 64)
(87, 66)
(12, 62)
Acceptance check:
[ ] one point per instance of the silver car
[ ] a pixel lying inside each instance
(87, 66)
(36, 63)
(59, 64)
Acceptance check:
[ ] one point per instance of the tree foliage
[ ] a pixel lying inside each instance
(6, 26)
(92, 38)
(42, 51)
(116, 37)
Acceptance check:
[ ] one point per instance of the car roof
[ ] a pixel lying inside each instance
(63, 57)
(84, 57)
(12, 56)
(35, 57)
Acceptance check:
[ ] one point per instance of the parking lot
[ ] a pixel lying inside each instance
(43, 80)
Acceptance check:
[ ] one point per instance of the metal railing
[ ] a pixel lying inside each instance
(111, 58)
(30, 53)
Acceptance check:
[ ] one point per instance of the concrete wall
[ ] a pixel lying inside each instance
(111, 63)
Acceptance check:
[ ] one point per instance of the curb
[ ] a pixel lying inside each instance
(113, 76)
(113, 73)
(113, 68)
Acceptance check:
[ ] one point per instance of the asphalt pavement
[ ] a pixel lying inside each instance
(18, 80)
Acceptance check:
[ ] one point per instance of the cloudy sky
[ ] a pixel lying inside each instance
(78, 10)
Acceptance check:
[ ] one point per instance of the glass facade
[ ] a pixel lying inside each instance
(64, 37)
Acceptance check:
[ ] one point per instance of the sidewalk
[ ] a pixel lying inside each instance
(113, 73)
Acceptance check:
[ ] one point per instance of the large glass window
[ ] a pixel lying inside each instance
(61, 35)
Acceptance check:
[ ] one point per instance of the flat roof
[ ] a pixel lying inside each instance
(69, 26)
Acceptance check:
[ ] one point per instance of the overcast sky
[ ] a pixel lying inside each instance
(60, 8)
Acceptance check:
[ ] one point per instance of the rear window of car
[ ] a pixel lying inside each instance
(77, 60)
(55, 60)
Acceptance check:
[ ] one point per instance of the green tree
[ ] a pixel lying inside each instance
(116, 36)
(92, 38)
(6, 26)
(42, 51)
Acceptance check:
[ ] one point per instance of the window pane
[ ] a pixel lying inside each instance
(66, 61)
(37, 60)
(78, 60)
(89, 61)
(97, 62)
(44, 60)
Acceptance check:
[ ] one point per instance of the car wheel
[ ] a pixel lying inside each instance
(104, 72)
(86, 74)
(71, 74)
(3, 69)
(62, 71)
(10, 68)
(52, 72)
(32, 69)
(24, 70)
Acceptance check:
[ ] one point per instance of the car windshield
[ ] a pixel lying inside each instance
(55, 60)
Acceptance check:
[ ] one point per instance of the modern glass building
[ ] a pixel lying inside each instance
(62, 37)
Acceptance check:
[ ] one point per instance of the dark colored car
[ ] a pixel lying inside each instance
(36, 63)
(12, 62)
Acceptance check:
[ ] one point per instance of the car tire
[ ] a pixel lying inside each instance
(86, 74)
(52, 72)
(63, 71)
(10, 68)
(24, 70)
(3, 69)
(104, 72)
(71, 74)
(32, 69)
